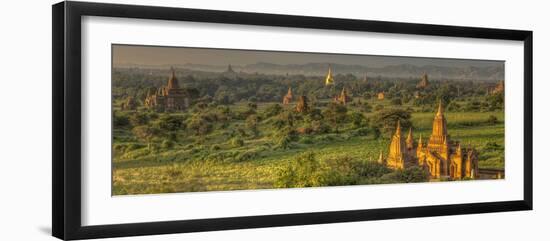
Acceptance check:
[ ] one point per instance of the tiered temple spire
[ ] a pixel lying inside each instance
(381, 158)
(410, 141)
(396, 158)
(288, 97)
(439, 130)
(173, 81)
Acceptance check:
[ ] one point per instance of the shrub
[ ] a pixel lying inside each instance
(120, 120)
(361, 131)
(408, 175)
(285, 137)
(170, 123)
(306, 140)
(319, 127)
(492, 120)
(237, 142)
(167, 144)
(386, 120)
(304, 171)
(272, 110)
(137, 119)
(396, 101)
(336, 114)
(246, 156)
(366, 107)
(358, 119)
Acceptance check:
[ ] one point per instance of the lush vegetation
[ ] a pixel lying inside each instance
(237, 135)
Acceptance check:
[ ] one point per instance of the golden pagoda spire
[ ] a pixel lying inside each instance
(410, 141)
(288, 97)
(381, 158)
(419, 147)
(396, 158)
(329, 80)
(439, 109)
(439, 130)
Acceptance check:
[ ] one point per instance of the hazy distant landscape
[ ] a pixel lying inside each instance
(204, 127)
(485, 73)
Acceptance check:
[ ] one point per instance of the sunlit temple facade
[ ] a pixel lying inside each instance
(441, 156)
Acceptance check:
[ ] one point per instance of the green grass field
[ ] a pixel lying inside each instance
(214, 162)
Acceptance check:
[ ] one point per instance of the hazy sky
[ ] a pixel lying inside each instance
(151, 55)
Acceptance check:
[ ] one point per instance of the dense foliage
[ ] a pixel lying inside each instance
(237, 134)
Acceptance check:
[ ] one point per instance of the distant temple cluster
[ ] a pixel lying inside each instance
(168, 98)
(442, 157)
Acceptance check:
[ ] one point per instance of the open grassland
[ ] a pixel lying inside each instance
(216, 162)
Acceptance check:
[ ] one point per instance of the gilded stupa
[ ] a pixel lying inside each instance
(329, 80)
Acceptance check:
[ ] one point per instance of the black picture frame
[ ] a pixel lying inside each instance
(66, 75)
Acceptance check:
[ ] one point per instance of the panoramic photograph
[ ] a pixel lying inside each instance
(188, 119)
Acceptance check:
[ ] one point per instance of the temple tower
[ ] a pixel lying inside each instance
(343, 98)
(381, 158)
(438, 138)
(288, 97)
(302, 105)
(173, 81)
(456, 163)
(410, 141)
(423, 81)
(396, 156)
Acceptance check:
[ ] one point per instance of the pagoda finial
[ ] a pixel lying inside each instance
(329, 80)
(381, 157)
(410, 141)
(398, 129)
(172, 81)
(440, 108)
(420, 141)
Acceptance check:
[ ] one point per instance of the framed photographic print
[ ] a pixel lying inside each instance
(169, 120)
